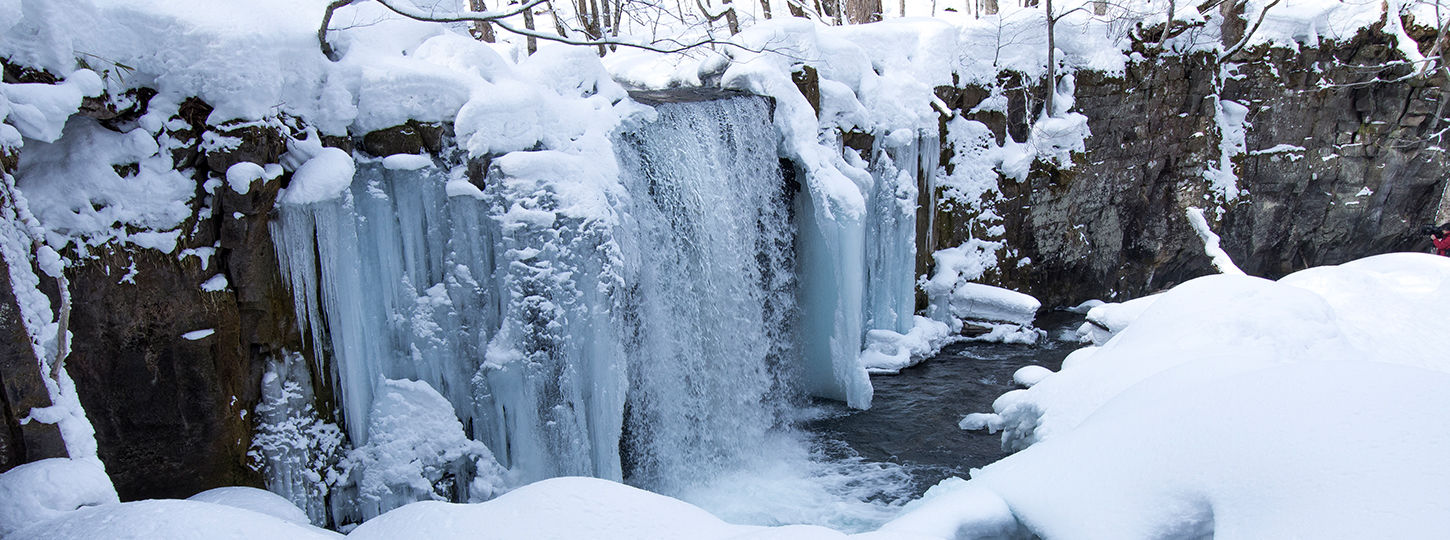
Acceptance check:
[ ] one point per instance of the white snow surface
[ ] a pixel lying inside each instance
(1233, 407)
(889, 352)
(1372, 310)
(256, 500)
(49, 488)
(326, 175)
(1211, 247)
(168, 519)
(569, 508)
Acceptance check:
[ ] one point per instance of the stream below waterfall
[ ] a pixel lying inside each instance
(912, 422)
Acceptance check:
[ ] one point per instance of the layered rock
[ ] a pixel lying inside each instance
(1339, 165)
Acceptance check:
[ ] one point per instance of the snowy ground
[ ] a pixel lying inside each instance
(1231, 407)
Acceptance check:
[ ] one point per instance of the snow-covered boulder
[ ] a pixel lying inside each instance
(50, 488)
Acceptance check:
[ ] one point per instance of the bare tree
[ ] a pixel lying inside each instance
(500, 19)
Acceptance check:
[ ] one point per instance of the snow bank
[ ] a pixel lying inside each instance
(572, 507)
(50, 488)
(954, 297)
(1295, 450)
(168, 520)
(1292, 368)
(79, 189)
(256, 500)
(889, 352)
(326, 175)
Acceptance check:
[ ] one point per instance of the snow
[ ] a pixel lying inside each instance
(1294, 370)
(50, 488)
(1326, 312)
(407, 162)
(256, 500)
(75, 190)
(575, 507)
(168, 520)
(39, 111)
(1231, 119)
(326, 175)
(415, 440)
(888, 352)
(1221, 259)
(241, 175)
(215, 283)
(1030, 375)
(955, 297)
(198, 334)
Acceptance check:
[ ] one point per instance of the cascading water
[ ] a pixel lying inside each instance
(712, 293)
(639, 324)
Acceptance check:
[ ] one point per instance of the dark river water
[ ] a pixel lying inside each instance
(913, 417)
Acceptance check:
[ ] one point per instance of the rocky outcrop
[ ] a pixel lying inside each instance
(1339, 165)
(168, 372)
(22, 388)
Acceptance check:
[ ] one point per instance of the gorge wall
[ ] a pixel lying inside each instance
(1340, 162)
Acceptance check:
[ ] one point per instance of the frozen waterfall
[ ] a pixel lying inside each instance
(647, 320)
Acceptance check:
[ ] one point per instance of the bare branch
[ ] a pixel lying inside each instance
(1248, 35)
(322, 30)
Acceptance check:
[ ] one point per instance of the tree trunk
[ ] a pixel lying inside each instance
(1047, 103)
(531, 43)
(795, 9)
(989, 7)
(1100, 7)
(731, 19)
(1234, 21)
(480, 30)
(863, 11)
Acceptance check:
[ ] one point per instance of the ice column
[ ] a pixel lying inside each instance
(393, 281)
(897, 164)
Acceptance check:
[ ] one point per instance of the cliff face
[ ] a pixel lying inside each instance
(170, 401)
(1338, 165)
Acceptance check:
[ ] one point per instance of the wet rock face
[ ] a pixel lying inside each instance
(21, 389)
(1338, 167)
(169, 404)
(167, 409)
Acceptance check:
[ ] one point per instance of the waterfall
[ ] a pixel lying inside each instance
(713, 293)
(651, 341)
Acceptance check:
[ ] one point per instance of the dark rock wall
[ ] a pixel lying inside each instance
(1113, 225)
(22, 385)
(171, 414)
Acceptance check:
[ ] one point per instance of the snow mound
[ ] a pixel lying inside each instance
(954, 297)
(415, 446)
(889, 352)
(1285, 451)
(256, 500)
(50, 488)
(326, 175)
(1305, 377)
(168, 520)
(569, 508)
